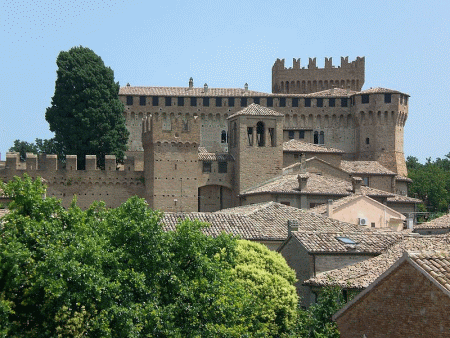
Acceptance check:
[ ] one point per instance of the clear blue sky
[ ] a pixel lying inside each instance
(226, 44)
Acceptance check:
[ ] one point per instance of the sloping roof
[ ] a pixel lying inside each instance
(403, 178)
(186, 91)
(230, 224)
(333, 92)
(380, 90)
(256, 110)
(369, 242)
(204, 155)
(442, 222)
(365, 167)
(273, 217)
(316, 184)
(403, 199)
(362, 274)
(435, 263)
(300, 146)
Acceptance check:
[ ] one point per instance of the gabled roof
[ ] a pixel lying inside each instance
(365, 167)
(256, 110)
(186, 91)
(362, 274)
(367, 242)
(442, 222)
(300, 146)
(380, 90)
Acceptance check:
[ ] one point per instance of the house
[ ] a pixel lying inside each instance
(362, 210)
(410, 299)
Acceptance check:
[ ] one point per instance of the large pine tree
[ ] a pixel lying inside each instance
(86, 113)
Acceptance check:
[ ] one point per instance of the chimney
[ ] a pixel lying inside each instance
(357, 182)
(292, 226)
(302, 181)
(246, 87)
(205, 87)
(191, 83)
(330, 208)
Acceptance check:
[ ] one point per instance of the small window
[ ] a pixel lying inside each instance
(223, 137)
(218, 102)
(260, 134)
(270, 102)
(142, 100)
(319, 102)
(372, 225)
(155, 100)
(387, 98)
(193, 101)
(308, 102)
(285, 203)
(129, 100)
(316, 137)
(206, 102)
(295, 102)
(206, 167)
(243, 102)
(331, 102)
(291, 134)
(365, 181)
(282, 102)
(301, 134)
(181, 101)
(223, 167)
(256, 100)
(272, 137)
(168, 100)
(250, 136)
(346, 240)
(344, 102)
(231, 102)
(365, 98)
(367, 141)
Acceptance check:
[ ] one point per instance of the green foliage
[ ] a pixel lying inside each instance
(40, 146)
(431, 182)
(86, 113)
(116, 273)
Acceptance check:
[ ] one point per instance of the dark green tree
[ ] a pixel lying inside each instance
(86, 114)
(23, 147)
(39, 146)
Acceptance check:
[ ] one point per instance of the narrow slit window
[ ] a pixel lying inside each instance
(272, 137)
(250, 136)
(260, 134)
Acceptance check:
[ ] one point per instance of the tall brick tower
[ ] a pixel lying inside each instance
(171, 161)
(380, 116)
(256, 143)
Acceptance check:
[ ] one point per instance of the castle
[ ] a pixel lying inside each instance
(205, 149)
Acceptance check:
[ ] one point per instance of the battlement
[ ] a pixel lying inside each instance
(164, 127)
(51, 163)
(301, 80)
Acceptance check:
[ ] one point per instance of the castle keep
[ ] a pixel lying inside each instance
(200, 148)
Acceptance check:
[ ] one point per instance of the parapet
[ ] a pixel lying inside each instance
(50, 163)
(359, 62)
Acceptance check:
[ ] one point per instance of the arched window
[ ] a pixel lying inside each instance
(260, 134)
(223, 137)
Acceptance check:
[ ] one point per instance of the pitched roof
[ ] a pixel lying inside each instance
(362, 274)
(256, 110)
(365, 167)
(322, 208)
(204, 155)
(186, 91)
(442, 222)
(333, 92)
(403, 178)
(273, 218)
(380, 90)
(368, 242)
(300, 146)
(316, 184)
(403, 199)
(435, 263)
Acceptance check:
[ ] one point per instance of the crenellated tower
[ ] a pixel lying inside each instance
(301, 80)
(380, 116)
(171, 161)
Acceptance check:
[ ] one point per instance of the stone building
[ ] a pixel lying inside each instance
(410, 299)
(206, 149)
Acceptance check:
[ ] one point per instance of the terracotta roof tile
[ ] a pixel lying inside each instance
(300, 146)
(365, 167)
(186, 91)
(362, 274)
(380, 90)
(333, 92)
(256, 110)
(442, 222)
(435, 263)
(204, 155)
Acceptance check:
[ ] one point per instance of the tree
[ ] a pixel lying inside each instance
(116, 273)
(86, 113)
(40, 146)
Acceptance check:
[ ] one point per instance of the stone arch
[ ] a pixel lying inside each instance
(282, 86)
(315, 85)
(342, 83)
(320, 85)
(287, 87)
(326, 121)
(292, 86)
(303, 86)
(298, 86)
(325, 84)
(341, 121)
